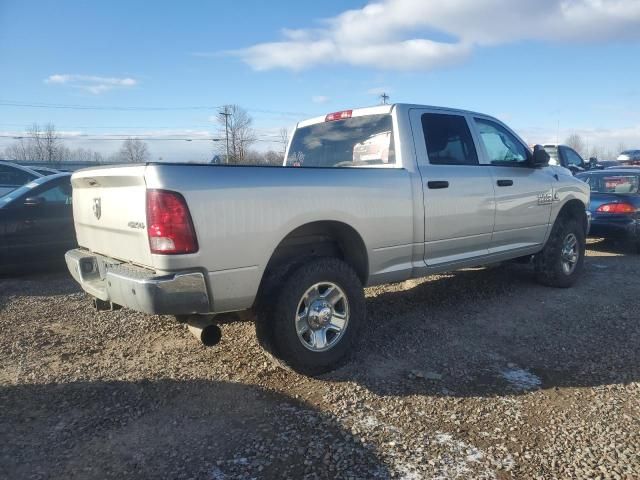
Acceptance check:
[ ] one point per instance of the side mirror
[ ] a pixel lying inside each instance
(540, 157)
(593, 163)
(33, 201)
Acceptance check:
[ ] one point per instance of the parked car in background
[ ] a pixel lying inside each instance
(13, 176)
(629, 157)
(566, 157)
(36, 224)
(433, 190)
(615, 203)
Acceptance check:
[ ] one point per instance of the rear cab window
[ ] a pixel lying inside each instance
(359, 141)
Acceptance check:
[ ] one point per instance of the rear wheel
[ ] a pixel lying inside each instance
(315, 316)
(561, 261)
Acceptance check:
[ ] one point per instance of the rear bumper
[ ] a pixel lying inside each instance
(179, 293)
(623, 228)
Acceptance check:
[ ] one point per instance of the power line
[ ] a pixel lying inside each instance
(13, 103)
(121, 138)
(99, 107)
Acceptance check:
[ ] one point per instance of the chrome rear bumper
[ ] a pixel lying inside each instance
(138, 288)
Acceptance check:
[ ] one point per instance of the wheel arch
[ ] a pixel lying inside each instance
(328, 238)
(577, 209)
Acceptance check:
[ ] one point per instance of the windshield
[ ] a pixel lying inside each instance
(611, 183)
(365, 141)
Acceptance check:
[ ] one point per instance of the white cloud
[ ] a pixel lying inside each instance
(408, 34)
(91, 83)
(320, 99)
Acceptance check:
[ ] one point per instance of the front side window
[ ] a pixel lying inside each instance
(59, 194)
(502, 147)
(572, 157)
(365, 141)
(448, 140)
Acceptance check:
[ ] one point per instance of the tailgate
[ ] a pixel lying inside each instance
(109, 211)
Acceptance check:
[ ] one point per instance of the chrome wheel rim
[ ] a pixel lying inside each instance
(570, 254)
(322, 316)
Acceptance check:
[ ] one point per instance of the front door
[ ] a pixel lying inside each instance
(524, 194)
(458, 191)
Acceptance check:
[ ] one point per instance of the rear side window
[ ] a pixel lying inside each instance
(15, 177)
(365, 141)
(448, 140)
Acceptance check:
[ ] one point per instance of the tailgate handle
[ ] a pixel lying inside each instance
(434, 185)
(505, 183)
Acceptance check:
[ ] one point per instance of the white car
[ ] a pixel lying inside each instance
(13, 176)
(631, 157)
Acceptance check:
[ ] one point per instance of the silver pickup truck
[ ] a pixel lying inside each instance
(365, 197)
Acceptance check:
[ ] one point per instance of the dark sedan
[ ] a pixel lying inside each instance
(615, 203)
(36, 224)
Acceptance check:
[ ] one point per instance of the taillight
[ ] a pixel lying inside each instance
(616, 208)
(169, 224)
(332, 117)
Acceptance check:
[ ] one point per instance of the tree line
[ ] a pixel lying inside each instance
(235, 141)
(43, 144)
(586, 151)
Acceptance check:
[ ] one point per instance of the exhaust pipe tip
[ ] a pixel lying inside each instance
(209, 336)
(204, 330)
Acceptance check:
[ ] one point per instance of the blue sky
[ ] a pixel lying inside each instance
(546, 74)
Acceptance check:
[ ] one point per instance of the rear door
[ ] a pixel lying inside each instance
(524, 195)
(458, 191)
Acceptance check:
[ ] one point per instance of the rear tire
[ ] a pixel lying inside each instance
(561, 261)
(312, 316)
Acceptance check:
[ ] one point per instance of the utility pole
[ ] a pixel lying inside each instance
(225, 113)
(384, 97)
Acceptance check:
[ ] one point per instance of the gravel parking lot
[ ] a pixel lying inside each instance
(476, 374)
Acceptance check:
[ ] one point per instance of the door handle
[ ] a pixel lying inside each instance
(434, 185)
(505, 183)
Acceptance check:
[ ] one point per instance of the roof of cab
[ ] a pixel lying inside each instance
(382, 109)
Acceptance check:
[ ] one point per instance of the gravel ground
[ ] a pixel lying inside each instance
(477, 374)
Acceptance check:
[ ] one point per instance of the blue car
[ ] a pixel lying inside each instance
(615, 203)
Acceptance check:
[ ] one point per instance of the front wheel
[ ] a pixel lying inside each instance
(561, 261)
(315, 318)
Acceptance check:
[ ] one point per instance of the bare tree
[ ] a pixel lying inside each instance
(134, 150)
(44, 143)
(241, 134)
(283, 139)
(273, 158)
(575, 141)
